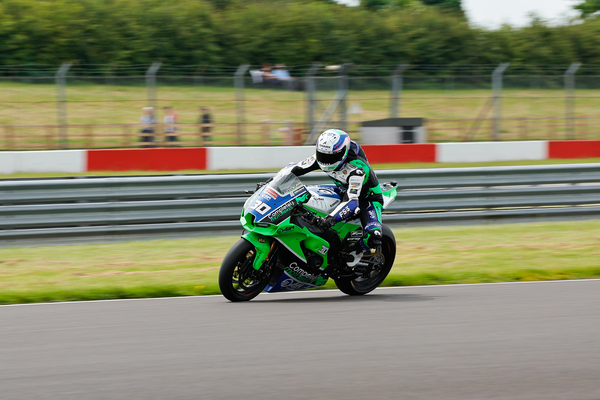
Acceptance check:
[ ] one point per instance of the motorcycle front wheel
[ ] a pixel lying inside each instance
(358, 286)
(238, 281)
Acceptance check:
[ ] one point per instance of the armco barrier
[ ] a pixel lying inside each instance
(45, 211)
(228, 158)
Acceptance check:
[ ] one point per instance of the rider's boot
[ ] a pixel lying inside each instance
(372, 242)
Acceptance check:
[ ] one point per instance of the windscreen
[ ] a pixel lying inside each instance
(285, 183)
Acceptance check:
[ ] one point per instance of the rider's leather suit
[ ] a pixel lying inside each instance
(360, 189)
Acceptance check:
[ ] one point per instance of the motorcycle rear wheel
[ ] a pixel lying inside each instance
(238, 281)
(358, 286)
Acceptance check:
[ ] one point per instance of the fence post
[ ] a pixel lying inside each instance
(199, 74)
(343, 86)
(397, 81)
(61, 103)
(570, 100)
(497, 100)
(311, 98)
(151, 83)
(238, 81)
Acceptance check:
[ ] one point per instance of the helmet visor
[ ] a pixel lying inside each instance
(330, 159)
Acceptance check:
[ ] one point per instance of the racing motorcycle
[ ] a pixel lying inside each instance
(285, 248)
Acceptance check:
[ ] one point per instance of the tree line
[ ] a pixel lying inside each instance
(294, 32)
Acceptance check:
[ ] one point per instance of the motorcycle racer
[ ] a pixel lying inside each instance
(345, 162)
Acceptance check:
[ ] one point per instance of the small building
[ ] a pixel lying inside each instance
(394, 131)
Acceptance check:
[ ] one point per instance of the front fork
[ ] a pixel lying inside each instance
(264, 246)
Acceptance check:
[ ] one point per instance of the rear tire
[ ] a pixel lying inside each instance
(238, 281)
(360, 286)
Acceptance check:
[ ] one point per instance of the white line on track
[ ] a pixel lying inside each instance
(301, 292)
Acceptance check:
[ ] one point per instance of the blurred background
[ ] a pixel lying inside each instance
(78, 74)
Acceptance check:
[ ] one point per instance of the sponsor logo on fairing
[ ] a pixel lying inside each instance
(290, 284)
(357, 233)
(299, 273)
(281, 231)
(298, 190)
(304, 198)
(282, 210)
(273, 194)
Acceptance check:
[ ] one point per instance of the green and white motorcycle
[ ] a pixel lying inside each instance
(284, 249)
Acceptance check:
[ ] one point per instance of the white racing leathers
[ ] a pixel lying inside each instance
(361, 192)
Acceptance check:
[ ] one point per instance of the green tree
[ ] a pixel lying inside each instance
(374, 5)
(588, 7)
(446, 5)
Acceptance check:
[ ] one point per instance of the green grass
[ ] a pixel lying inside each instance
(449, 111)
(425, 256)
(376, 166)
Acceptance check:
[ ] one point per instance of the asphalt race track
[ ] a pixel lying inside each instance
(503, 341)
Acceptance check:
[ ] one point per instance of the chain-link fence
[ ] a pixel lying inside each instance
(46, 108)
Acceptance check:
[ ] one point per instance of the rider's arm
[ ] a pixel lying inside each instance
(349, 203)
(306, 166)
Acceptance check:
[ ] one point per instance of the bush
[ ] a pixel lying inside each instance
(295, 32)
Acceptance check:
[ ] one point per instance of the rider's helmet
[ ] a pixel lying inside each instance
(332, 149)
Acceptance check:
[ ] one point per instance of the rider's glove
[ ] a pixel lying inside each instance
(325, 223)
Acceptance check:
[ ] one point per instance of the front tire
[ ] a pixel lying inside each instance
(359, 286)
(238, 281)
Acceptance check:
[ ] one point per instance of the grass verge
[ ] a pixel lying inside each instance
(376, 166)
(425, 256)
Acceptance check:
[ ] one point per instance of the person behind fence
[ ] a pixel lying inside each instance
(283, 76)
(204, 120)
(147, 120)
(280, 71)
(169, 120)
(346, 164)
(267, 74)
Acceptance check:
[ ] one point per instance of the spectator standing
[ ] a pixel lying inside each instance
(148, 121)
(205, 118)
(169, 120)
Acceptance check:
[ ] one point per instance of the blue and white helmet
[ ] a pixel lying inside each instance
(332, 149)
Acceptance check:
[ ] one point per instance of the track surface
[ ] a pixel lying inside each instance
(512, 341)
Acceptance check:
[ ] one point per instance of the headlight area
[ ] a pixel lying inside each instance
(265, 228)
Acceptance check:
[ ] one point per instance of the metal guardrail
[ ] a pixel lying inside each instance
(92, 209)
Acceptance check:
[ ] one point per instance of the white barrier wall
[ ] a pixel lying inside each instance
(43, 161)
(7, 163)
(220, 158)
(492, 151)
(276, 157)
